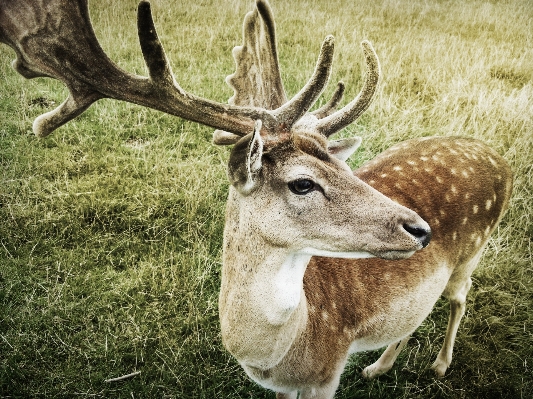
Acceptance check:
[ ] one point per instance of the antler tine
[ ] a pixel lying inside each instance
(169, 97)
(349, 113)
(331, 105)
(19, 21)
(154, 55)
(289, 113)
(78, 100)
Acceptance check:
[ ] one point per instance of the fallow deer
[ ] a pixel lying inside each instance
(318, 262)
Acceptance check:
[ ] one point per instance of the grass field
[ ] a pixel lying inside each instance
(111, 228)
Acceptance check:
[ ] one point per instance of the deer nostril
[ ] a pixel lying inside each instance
(423, 234)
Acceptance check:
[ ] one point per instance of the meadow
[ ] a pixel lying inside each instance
(111, 228)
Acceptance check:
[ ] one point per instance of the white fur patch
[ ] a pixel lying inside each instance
(331, 254)
(286, 287)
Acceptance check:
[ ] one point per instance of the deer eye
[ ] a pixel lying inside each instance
(301, 186)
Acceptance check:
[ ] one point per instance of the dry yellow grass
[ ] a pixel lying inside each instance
(111, 228)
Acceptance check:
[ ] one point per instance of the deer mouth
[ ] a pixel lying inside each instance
(394, 255)
(387, 255)
(341, 254)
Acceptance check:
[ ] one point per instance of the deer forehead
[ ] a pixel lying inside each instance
(305, 150)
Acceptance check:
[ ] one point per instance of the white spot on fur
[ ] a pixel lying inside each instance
(475, 209)
(488, 204)
(424, 158)
(439, 179)
(383, 175)
(397, 168)
(465, 220)
(454, 236)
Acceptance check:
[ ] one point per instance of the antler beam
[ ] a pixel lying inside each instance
(56, 39)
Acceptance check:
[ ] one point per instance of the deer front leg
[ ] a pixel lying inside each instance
(292, 395)
(457, 310)
(324, 392)
(386, 360)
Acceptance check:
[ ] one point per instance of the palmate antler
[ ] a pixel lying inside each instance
(257, 80)
(55, 38)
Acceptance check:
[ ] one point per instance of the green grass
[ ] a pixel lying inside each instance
(111, 228)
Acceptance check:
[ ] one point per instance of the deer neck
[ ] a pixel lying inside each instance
(262, 303)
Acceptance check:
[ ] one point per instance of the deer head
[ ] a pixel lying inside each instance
(281, 159)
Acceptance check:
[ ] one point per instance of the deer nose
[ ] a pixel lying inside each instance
(421, 233)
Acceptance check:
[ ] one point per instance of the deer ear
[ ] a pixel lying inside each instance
(255, 152)
(245, 161)
(344, 148)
